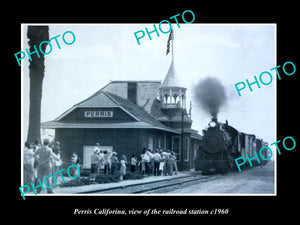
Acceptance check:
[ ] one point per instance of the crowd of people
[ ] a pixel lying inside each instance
(107, 162)
(157, 163)
(41, 160)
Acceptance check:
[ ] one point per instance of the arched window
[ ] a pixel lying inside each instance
(176, 98)
(166, 99)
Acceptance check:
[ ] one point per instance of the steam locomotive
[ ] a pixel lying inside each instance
(222, 144)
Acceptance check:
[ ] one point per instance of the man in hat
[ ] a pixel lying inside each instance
(95, 159)
(45, 156)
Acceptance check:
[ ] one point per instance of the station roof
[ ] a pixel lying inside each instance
(142, 118)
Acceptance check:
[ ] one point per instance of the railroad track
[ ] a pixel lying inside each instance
(160, 186)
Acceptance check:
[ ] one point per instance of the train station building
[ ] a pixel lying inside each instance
(125, 117)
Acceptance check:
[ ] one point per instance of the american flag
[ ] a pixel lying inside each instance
(171, 37)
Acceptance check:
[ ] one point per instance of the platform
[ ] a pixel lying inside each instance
(93, 187)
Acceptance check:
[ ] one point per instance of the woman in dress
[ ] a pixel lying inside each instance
(123, 167)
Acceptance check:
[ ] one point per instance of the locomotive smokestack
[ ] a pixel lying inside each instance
(210, 95)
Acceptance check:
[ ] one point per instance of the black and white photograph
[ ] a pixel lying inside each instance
(174, 109)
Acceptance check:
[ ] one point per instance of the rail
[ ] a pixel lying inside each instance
(160, 186)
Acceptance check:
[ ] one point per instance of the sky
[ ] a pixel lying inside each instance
(105, 52)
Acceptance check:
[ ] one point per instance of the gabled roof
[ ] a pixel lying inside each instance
(107, 99)
(99, 99)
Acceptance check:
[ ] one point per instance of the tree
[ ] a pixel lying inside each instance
(36, 35)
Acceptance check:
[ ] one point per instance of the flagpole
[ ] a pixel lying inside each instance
(172, 47)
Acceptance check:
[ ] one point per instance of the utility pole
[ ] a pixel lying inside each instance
(181, 143)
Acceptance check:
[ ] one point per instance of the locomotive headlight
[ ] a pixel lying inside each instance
(212, 124)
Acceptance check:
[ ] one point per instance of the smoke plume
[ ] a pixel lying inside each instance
(210, 95)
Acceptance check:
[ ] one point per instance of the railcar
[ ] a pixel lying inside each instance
(222, 144)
